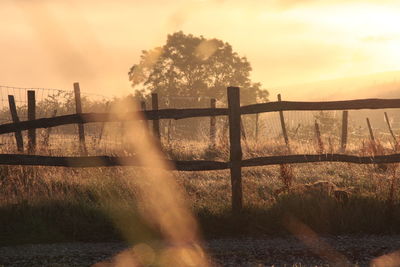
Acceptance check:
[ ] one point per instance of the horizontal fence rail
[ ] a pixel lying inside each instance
(103, 161)
(198, 112)
(310, 158)
(111, 117)
(372, 103)
(194, 165)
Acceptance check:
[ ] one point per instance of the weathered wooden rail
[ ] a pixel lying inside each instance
(198, 112)
(234, 112)
(190, 165)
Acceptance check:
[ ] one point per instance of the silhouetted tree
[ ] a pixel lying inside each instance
(194, 66)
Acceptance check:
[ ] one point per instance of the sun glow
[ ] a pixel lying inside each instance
(341, 39)
(371, 29)
(287, 42)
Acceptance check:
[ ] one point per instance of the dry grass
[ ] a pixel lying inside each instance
(43, 204)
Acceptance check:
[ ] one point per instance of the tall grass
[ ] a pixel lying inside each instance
(52, 204)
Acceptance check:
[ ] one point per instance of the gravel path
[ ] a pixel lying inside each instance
(225, 252)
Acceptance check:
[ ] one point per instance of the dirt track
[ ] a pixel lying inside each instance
(358, 251)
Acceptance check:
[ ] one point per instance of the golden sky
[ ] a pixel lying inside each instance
(53, 43)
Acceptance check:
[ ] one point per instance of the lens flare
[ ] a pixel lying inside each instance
(162, 204)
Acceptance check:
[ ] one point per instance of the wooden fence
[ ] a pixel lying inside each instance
(234, 112)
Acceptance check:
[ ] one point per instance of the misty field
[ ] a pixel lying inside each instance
(52, 204)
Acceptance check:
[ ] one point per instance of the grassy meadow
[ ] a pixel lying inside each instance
(53, 204)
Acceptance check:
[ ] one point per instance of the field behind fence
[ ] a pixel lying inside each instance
(271, 121)
(263, 127)
(56, 102)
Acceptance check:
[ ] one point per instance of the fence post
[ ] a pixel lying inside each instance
(345, 120)
(31, 116)
(212, 123)
(319, 140)
(14, 116)
(390, 129)
(371, 133)
(283, 125)
(235, 148)
(156, 122)
(81, 128)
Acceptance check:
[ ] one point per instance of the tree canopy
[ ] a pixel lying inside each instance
(194, 66)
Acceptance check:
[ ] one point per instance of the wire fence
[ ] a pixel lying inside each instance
(50, 102)
(301, 128)
(107, 138)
